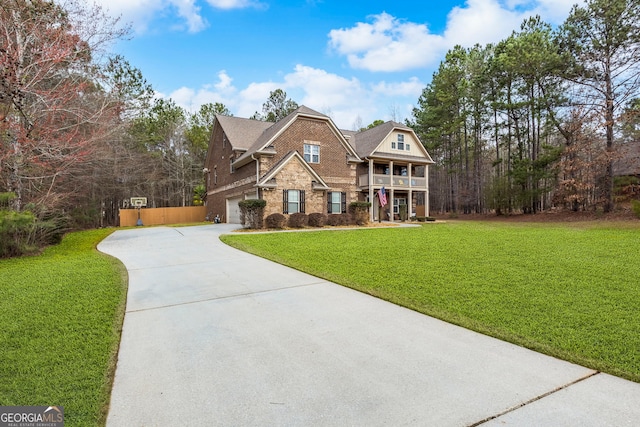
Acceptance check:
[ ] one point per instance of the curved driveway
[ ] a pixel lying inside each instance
(215, 336)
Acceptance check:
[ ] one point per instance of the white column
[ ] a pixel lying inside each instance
(426, 196)
(390, 198)
(410, 200)
(372, 199)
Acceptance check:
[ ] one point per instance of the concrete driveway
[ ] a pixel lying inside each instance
(215, 336)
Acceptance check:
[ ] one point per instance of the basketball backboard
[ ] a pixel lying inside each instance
(138, 202)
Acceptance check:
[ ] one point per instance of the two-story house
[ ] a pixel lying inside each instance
(304, 163)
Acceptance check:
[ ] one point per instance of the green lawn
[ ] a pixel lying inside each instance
(61, 315)
(571, 291)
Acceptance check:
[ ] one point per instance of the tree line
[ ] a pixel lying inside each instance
(531, 122)
(536, 120)
(81, 131)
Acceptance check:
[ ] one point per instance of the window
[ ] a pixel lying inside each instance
(400, 142)
(312, 153)
(406, 147)
(393, 145)
(336, 202)
(396, 204)
(292, 201)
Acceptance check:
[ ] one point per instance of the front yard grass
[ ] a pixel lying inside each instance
(61, 314)
(568, 290)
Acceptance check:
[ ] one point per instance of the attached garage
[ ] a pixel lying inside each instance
(233, 210)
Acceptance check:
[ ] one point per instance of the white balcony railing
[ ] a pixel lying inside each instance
(398, 181)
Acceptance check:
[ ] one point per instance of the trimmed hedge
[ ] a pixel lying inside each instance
(339, 219)
(317, 219)
(359, 212)
(252, 212)
(276, 220)
(298, 220)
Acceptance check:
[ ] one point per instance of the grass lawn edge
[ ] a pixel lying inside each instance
(457, 318)
(121, 308)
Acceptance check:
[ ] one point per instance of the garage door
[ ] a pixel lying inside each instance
(233, 210)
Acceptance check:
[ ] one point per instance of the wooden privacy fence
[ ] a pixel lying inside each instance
(160, 216)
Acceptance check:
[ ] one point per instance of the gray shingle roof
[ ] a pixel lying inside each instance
(253, 136)
(242, 133)
(367, 141)
(267, 178)
(272, 130)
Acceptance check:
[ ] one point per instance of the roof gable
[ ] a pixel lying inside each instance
(267, 137)
(267, 180)
(241, 133)
(367, 142)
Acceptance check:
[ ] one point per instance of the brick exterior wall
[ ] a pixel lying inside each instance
(333, 168)
(222, 183)
(294, 176)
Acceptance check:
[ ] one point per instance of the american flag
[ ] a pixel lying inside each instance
(382, 196)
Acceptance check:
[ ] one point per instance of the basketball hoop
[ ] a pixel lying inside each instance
(138, 202)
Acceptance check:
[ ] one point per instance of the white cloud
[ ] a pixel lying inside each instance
(322, 89)
(411, 88)
(389, 44)
(344, 100)
(140, 13)
(225, 81)
(482, 22)
(556, 11)
(234, 4)
(191, 99)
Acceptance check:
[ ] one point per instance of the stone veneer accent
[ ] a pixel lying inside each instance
(294, 176)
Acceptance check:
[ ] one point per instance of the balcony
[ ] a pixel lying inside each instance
(393, 181)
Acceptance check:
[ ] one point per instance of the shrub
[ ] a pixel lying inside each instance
(252, 212)
(403, 212)
(298, 220)
(32, 228)
(346, 219)
(422, 218)
(359, 212)
(276, 220)
(317, 219)
(15, 232)
(339, 219)
(49, 229)
(333, 220)
(635, 206)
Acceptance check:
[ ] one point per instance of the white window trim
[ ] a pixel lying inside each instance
(312, 147)
(338, 203)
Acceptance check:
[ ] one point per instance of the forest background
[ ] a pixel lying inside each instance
(548, 118)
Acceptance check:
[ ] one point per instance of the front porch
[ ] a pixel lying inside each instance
(406, 187)
(401, 206)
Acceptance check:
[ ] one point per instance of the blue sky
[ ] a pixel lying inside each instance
(356, 61)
